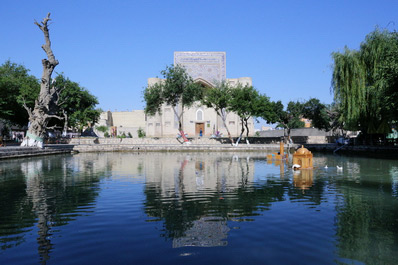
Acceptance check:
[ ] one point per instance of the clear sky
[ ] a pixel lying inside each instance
(112, 47)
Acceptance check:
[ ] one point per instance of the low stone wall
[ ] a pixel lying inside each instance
(173, 148)
(18, 151)
(90, 144)
(143, 141)
(362, 150)
(203, 140)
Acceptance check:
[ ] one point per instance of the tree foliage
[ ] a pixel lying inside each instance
(76, 104)
(219, 98)
(177, 90)
(247, 102)
(365, 83)
(16, 86)
(289, 118)
(318, 113)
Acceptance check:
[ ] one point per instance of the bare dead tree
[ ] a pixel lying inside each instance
(47, 103)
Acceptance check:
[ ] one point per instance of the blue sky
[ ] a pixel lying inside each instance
(112, 47)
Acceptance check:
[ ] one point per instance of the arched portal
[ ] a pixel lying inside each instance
(203, 82)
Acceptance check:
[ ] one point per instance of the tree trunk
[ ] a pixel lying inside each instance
(288, 135)
(65, 130)
(241, 133)
(247, 132)
(224, 118)
(229, 133)
(180, 128)
(46, 104)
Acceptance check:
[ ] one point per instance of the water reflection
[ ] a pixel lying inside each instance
(303, 179)
(42, 192)
(229, 189)
(201, 199)
(196, 194)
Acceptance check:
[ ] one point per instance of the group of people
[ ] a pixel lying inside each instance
(17, 137)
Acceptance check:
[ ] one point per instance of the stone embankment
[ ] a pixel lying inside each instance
(135, 145)
(18, 151)
(365, 150)
(173, 145)
(163, 144)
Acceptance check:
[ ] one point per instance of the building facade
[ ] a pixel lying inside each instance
(206, 68)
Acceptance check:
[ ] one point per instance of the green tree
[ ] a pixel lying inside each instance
(247, 102)
(318, 113)
(290, 118)
(219, 98)
(365, 83)
(102, 128)
(141, 133)
(76, 105)
(16, 86)
(177, 90)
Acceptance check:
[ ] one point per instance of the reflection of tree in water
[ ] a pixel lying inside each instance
(14, 207)
(200, 219)
(367, 217)
(44, 189)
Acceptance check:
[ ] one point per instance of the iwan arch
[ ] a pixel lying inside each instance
(206, 68)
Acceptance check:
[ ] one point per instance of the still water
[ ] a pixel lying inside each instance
(197, 208)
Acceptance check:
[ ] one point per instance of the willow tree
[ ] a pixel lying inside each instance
(177, 90)
(349, 85)
(46, 104)
(364, 83)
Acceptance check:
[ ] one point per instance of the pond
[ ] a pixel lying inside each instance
(197, 208)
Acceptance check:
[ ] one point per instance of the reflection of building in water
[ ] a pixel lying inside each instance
(197, 171)
(205, 232)
(192, 172)
(303, 179)
(281, 164)
(172, 180)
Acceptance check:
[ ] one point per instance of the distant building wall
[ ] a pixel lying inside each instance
(205, 68)
(135, 118)
(125, 121)
(165, 124)
(302, 135)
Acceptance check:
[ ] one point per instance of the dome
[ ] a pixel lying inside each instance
(302, 151)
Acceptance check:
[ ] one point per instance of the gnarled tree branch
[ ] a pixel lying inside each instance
(46, 104)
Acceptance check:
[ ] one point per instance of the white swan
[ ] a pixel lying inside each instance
(339, 168)
(326, 167)
(296, 166)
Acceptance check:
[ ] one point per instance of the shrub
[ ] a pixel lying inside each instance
(141, 133)
(123, 135)
(102, 128)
